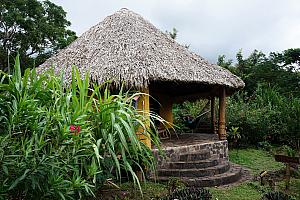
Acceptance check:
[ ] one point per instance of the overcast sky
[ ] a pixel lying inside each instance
(210, 27)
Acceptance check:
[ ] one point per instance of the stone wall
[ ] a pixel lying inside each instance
(216, 150)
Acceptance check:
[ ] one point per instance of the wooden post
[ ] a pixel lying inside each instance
(165, 110)
(222, 110)
(288, 160)
(143, 106)
(213, 115)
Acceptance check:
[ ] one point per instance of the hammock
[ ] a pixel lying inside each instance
(193, 123)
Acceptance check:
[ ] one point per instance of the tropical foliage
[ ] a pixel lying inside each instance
(64, 142)
(268, 109)
(280, 70)
(266, 116)
(34, 29)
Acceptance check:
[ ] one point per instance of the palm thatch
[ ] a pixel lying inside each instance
(127, 49)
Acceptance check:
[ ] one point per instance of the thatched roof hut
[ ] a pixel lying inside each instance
(125, 48)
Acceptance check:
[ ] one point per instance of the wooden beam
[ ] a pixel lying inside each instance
(222, 111)
(165, 110)
(213, 115)
(143, 106)
(195, 96)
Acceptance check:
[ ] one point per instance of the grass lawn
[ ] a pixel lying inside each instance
(254, 159)
(244, 191)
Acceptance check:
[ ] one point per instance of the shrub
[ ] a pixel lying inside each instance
(233, 136)
(64, 142)
(277, 196)
(266, 116)
(190, 194)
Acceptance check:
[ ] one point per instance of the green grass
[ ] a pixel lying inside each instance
(252, 190)
(244, 191)
(254, 159)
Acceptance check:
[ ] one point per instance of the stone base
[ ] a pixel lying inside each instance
(215, 149)
(201, 164)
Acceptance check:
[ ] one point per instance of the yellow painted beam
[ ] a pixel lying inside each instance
(165, 110)
(143, 106)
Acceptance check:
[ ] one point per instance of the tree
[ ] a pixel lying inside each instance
(290, 59)
(35, 29)
(277, 69)
(223, 63)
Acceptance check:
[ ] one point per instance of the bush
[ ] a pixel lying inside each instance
(64, 142)
(277, 196)
(189, 194)
(266, 116)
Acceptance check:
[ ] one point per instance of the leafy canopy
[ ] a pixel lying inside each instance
(35, 29)
(278, 69)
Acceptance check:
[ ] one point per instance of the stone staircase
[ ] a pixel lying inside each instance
(199, 165)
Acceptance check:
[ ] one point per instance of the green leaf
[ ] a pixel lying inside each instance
(5, 170)
(18, 180)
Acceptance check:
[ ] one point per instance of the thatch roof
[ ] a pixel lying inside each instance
(126, 48)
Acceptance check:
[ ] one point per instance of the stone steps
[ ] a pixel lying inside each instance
(194, 156)
(194, 172)
(199, 164)
(192, 164)
(228, 177)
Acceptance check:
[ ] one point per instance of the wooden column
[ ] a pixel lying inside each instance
(143, 105)
(165, 110)
(222, 111)
(213, 115)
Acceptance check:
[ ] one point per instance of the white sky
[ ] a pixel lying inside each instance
(210, 27)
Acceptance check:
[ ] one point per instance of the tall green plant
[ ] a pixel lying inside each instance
(64, 142)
